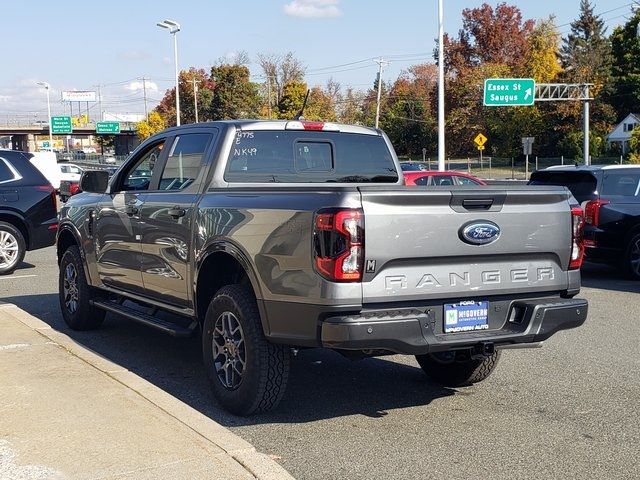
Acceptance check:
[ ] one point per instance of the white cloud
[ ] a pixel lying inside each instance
(313, 8)
(138, 86)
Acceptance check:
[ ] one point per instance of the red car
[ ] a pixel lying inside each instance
(434, 178)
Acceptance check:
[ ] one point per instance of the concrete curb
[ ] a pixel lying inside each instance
(258, 464)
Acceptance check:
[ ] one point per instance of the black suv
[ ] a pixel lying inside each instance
(28, 211)
(610, 198)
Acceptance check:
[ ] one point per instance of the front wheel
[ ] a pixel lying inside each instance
(75, 293)
(247, 373)
(456, 368)
(12, 248)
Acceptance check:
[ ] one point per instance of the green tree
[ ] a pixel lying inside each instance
(625, 42)
(234, 95)
(586, 53)
(154, 124)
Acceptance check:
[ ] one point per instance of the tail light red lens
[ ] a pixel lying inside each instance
(74, 188)
(338, 239)
(592, 211)
(577, 240)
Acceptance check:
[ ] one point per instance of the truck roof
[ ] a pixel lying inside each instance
(249, 124)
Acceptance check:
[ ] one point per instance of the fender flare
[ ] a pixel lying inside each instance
(236, 252)
(71, 228)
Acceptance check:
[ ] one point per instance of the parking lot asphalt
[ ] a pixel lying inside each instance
(567, 410)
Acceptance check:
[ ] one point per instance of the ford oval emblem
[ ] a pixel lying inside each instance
(480, 233)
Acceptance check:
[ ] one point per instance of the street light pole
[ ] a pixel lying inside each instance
(47, 86)
(174, 28)
(441, 146)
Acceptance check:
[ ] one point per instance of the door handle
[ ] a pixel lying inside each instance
(131, 210)
(177, 212)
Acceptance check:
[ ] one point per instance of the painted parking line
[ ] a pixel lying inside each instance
(13, 277)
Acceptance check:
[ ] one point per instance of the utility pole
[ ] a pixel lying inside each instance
(269, 95)
(144, 94)
(99, 103)
(441, 146)
(587, 160)
(381, 63)
(195, 97)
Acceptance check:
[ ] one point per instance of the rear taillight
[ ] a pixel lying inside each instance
(74, 188)
(592, 211)
(577, 239)
(338, 239)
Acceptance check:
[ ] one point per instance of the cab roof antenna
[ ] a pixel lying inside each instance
(300, 114)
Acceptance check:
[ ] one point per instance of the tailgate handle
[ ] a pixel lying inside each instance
(477, 203)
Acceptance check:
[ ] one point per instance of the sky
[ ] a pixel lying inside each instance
(78, 45)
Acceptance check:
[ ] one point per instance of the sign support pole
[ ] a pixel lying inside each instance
(526, 167)
(587, 160)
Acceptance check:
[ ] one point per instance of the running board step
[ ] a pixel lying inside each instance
(148, 320)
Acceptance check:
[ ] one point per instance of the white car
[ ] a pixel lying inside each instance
(70, 172)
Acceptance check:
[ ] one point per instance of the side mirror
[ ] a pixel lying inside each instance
(94, 181)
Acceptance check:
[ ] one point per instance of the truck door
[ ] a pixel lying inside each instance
(168, 215)
(117, 231)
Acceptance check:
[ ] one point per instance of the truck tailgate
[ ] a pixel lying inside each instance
(415, 247)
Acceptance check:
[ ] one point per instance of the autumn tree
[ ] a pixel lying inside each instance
(293, 94)
(408, 117)
(488, 35)
(349, 108)
(543, 51)
(234, 95)
(154, 124)
(280, 70)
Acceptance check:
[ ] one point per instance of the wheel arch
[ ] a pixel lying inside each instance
(17, 221)
(223, 263)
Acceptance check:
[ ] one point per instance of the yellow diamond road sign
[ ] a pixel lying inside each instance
(480, 140)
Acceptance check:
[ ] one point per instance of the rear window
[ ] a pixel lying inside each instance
(309, 157)
(583, 185)
(621, 183)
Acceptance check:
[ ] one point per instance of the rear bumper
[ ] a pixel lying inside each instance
(418, 332)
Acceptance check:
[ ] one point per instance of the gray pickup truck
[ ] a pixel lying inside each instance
(264, 237)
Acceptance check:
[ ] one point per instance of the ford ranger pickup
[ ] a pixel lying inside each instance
(265, 237)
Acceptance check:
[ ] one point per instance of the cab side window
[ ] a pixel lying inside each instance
(184, 163)
(138, 176)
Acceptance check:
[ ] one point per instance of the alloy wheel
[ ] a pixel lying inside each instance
(70, 288)
(8, 249)
(229, 355)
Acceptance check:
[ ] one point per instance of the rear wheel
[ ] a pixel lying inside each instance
(12, 248)
(632, 259)
(75, 293)
(247, 373)
(457, 368)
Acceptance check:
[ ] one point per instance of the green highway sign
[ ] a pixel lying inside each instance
(108, 128)
(509, 92)
(61, 125)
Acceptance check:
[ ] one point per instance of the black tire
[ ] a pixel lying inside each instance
(456, 369)
(64, 198)
(256, 384)
(12, 248)
(632, 258)
(77, 310)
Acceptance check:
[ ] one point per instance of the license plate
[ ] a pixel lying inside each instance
(466, 316)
